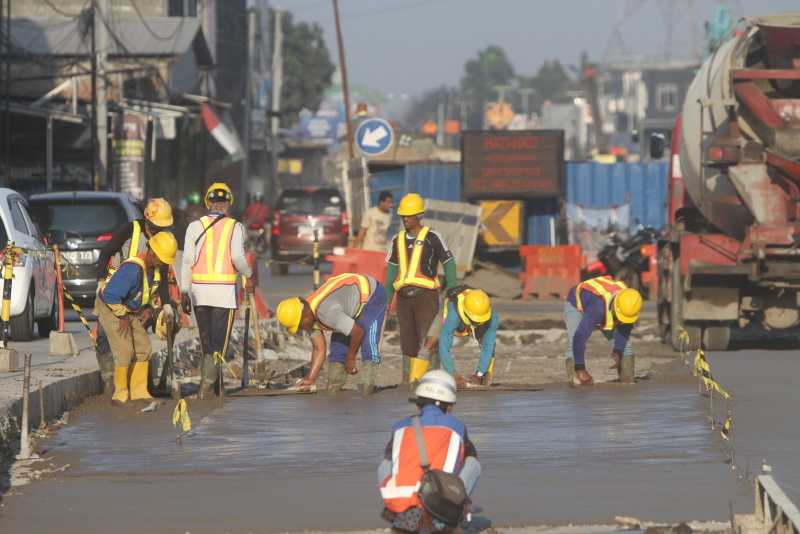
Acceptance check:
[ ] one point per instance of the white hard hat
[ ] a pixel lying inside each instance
(437, 385)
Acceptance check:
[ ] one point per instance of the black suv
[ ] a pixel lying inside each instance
(81, 223)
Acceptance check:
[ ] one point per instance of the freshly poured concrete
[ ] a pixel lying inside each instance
(308, 462)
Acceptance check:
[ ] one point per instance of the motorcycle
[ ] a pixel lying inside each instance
(257, 238)
(623, 258)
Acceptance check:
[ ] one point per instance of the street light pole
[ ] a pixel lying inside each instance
(345, 89)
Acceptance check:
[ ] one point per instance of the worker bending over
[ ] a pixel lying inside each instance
(123, 309)
(352, 307)
(128, 241)
(213, 260)
(416, 253)
(446, 446)
(599, 303)
(467, 312)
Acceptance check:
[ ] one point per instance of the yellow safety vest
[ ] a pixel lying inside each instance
(335, 282)
(469, 328)
(604, 287)
(214, 265)
(410, 274)
(145, 283)
(133, 252)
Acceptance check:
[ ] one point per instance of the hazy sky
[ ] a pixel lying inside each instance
(408, 46)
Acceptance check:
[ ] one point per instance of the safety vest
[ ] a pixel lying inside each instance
(144, 294)
(410, 274)
(213, 264)
(335, 282)
(445, 448)
(604, 287)
(469, 328)
(135, 245)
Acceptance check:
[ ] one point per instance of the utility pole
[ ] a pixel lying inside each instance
(7, 35)
(345, 89)
(100, 8)
(248, 97)
(277, 85)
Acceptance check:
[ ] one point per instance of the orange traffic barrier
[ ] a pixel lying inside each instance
(550, 271)
(650, 277)
(356, 260)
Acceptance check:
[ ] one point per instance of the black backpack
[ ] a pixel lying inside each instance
(443, 494)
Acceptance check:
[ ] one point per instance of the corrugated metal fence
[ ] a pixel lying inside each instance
(590, 184)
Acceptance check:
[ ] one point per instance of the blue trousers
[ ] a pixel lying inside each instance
(572, 316)
(371, 320)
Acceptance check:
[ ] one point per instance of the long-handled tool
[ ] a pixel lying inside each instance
(245, 347)
(167, 380)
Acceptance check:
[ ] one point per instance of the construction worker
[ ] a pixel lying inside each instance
(128, 241)
(447, 448)
(467, 312)
(599, 303)
(213, 261)
(375, 224)
(416, 253)
(124, 308)
(350, 305)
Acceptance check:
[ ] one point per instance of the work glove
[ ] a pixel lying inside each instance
(186, 303)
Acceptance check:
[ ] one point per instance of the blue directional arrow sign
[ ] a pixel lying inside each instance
(374, 137)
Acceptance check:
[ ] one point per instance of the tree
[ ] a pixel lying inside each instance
(426, 107)
(481, 75)
(307, 67)
(551, 82)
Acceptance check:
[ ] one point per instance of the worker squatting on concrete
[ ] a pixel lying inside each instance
(123, 310)
(610, 306)
(447, 447)
(213, 261)
(128, 241)
(416, 252)
(351, 306)
(468, 312)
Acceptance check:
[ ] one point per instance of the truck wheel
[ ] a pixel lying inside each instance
(716, 338)
(22, 324)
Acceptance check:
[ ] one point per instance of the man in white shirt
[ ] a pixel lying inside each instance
(375, 224)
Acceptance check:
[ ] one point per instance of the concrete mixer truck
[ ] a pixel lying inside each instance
(730, 262)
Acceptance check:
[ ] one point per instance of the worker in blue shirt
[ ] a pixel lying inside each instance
(599, 303)
(123, 311)
(467, 312)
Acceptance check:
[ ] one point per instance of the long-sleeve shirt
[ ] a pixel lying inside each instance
(486, 335)
(430, 415)
(434, 252)
(114, 247)
(218, 295)
(594, 316)
(123, 293)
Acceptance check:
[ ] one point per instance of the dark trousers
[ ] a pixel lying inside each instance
(214, 324)
(415, 315)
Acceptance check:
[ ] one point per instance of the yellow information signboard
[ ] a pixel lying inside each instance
(502, 222)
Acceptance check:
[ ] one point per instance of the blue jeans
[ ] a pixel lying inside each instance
(573, 318)
(371, 320)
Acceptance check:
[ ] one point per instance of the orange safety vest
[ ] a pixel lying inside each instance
(604, 287)
(445, 451)
(213, 264)
(410, 274)
(335, 282)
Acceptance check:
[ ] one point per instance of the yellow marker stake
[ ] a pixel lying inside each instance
(181, 415)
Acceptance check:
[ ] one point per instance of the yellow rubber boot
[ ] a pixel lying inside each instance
(120, 396)
(139, 381)
(418, 368)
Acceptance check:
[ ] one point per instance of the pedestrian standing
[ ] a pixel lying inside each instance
(213, 261)
(124, 309)
(375, 224)
(413, 261)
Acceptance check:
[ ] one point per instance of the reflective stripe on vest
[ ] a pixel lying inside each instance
(469, 328)
(604, 287)
(445, 451)
(213, 264)
(145, 295)
(335, 282)
(135, 246)
(410, 274)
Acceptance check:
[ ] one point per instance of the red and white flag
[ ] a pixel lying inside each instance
(224, 135)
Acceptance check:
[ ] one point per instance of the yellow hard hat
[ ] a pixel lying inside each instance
(289, 313)
(158, 212)
(161, 325)
(627, 305)
(165, 246)
(218, 192)
(411, 204)
(477, 305)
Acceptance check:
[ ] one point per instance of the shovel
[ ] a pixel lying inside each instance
(245, 363)
(167, 381)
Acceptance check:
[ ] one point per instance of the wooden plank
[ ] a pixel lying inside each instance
(256, 392)
(502, 388)
(784, 505)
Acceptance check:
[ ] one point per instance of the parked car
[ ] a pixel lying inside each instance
(298, 213)
(80, 223)
(33, 294)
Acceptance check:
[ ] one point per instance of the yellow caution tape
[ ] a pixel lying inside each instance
(713, 385)
(700, 363)
(219, 360)
(683, 336)
(79, 311)
(727, 426)
(181, 415)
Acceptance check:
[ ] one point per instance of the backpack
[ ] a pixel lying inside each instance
(442, 494)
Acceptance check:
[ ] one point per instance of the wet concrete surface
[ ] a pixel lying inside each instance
(308, 462)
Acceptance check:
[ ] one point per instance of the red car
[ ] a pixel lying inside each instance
(298, 213)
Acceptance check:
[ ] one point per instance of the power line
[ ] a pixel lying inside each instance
(63, 13)
(150, 30)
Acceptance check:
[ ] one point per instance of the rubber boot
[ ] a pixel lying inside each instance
(105, 361)
(406, 363)
(433, 361)
(627, 370)
(337, 377)
(369, 372)
(139, 377)
(208, 377)
(121, 392)
(569, 364)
